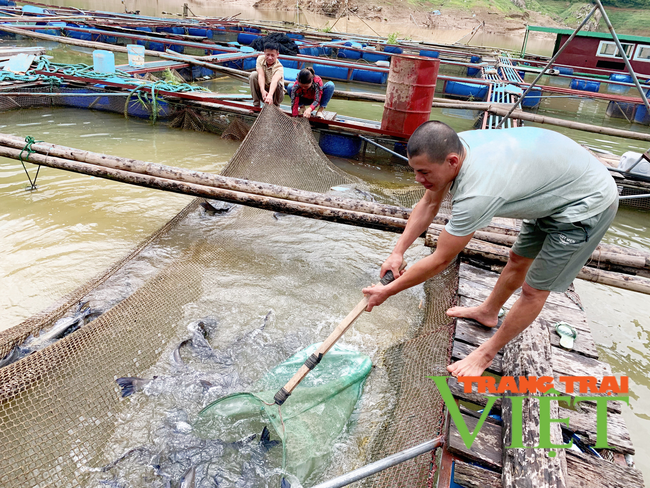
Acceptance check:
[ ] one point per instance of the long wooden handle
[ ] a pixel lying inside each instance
(311, 362)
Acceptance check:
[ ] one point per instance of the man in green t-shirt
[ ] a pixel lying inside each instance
(267, 81)
(565, 196)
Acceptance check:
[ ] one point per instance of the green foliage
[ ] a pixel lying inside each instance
(392, 37)
(327, 28)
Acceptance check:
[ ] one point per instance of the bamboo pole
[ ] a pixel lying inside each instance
(492, 234)
(495, 253)
(391, 224)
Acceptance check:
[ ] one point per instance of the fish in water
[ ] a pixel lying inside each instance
(132, 384)
(189, 478)
(60, 329)
(369, 196)
(253, 469)
(217, 207)
(200, 346)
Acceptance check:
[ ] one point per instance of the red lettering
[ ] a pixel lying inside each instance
(507, 383)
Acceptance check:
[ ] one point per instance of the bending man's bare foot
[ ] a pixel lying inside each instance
(475, 313)
(472, 365)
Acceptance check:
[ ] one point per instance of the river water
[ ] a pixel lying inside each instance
(74, 226)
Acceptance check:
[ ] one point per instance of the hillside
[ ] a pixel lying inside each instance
(496, 16)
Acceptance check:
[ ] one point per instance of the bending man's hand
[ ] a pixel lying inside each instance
(393, 264)
(376, 296)
(268, 99)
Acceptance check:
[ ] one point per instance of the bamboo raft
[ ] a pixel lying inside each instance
(535, 352)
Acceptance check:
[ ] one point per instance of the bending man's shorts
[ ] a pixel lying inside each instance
(560, 249)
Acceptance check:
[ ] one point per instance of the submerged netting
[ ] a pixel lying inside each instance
(61, 414)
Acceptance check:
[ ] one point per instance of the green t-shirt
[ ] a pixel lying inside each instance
(526, 173)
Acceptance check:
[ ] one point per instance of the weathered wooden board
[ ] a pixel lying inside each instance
(471, 476)
(590, 472)
(529, 354)
(470, 331)
(486, 448)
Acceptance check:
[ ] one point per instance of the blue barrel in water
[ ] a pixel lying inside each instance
(245, 38)
(348, 53)
(156, 46)
(143, 29)
(369, 76)
(249, 63)
(564, 71)
(469, 90)
(430, 54)
(289, 63)
(532, 99)
(584, 85)
(374, 57)
(474, 71)
(324, 51)
(641, 116)
(200, 32)
(291, 74)
(339, 145)
(291, 35)
(393, 49)
(331, 72)
(619, 89)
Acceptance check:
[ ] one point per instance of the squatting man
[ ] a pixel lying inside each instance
(565, 196)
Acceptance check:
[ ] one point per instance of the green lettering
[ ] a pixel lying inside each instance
(545, 420)
(601, 417)
(516, 422)
(454, 411)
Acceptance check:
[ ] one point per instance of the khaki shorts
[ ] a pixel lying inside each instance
(560, 249)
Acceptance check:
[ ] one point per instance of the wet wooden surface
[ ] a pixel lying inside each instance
(583, 470)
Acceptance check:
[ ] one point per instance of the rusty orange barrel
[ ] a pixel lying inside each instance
(410, 91)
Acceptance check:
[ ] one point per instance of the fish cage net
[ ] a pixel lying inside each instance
(60, 407)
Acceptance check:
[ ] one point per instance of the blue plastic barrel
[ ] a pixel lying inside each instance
(157, 46)
(331, 72)
(324, 51)
(245, 38)
(584, 85)
(291, 35)
(7, 3)
(251, 29)
(393, 49)
(85, 36)
(474, 71)
(177, 48)
(164, 29)
(374, 57)
(289, 63)
(564, 71)
(430, 54)
(339, 146)
(249, 63)
(178, 30)
(291, 74)
(522, 74)
(460, 89)
(33, 10)
(199, 32)
(621, 77)
(55, 30)
(308, 51)
(369, 76)
(641, 115)
(348, 53)
(533, 98)
(207, 72)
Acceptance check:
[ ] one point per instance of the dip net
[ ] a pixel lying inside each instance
(62, 417)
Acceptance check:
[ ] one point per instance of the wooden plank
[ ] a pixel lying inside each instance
(471, 476)
(583, 422)
(470, 331)
(486, 449)
(529, 354)
(588, 471)
(478, 283)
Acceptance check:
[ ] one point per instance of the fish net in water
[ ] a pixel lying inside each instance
(61, 414)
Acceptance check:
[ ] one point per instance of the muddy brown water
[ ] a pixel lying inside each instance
(73, 226)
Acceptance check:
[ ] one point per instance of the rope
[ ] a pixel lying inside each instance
(28, 147)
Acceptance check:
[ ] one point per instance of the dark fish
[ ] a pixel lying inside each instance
(369, 196)
(217, 207)
(132, 384)
(285, 483)
(189, 478)
(200, 346)
(60, 329)
(136, 451)
(13, 355)
(265, 440)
